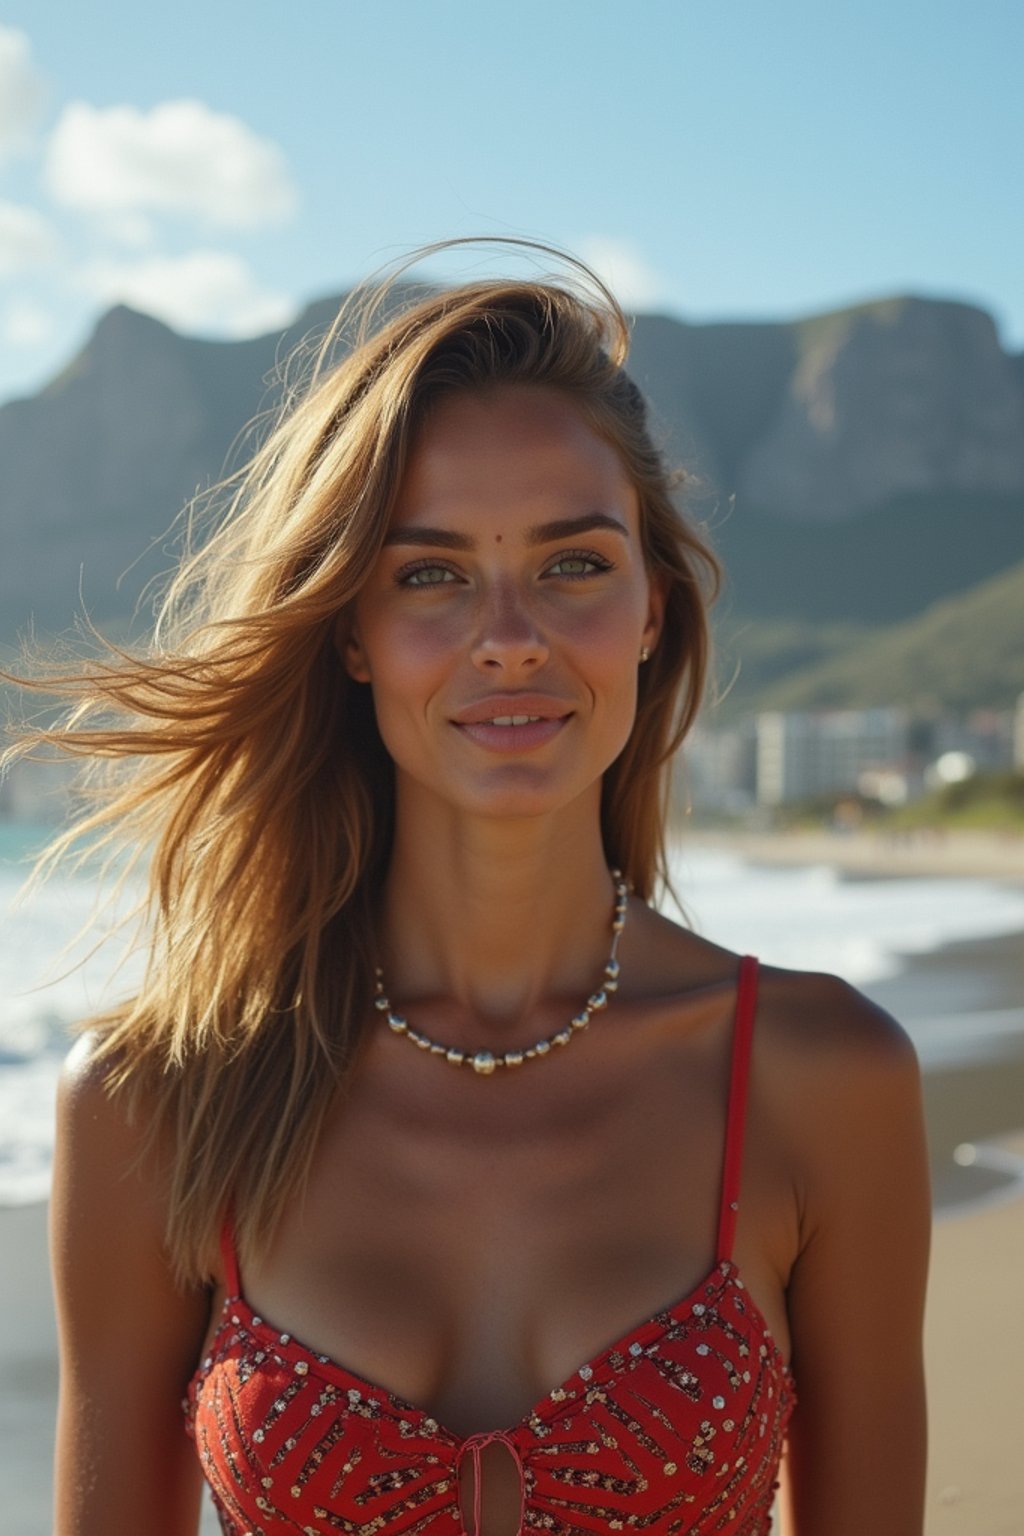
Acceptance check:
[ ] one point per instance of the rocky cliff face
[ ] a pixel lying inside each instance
(897, 398)
(94, 470)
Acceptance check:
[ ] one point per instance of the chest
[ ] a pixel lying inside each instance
(676, 1427)
(515, 1296)
(469, 1251)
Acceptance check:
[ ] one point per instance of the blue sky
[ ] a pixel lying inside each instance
(220, 163)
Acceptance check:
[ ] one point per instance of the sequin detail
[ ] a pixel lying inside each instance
(638, 1443)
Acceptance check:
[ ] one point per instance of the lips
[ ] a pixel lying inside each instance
(513, 723)
(513, 709)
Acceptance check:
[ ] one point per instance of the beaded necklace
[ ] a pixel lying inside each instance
(484, 1063)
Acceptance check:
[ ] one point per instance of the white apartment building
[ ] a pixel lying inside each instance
(801, 754)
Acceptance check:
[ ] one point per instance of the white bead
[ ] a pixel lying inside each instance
(483, 1062)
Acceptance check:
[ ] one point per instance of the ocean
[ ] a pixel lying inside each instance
(807, 918)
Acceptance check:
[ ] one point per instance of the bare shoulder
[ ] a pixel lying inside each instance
(82, 1089)
(111, 1179)
(105, 1134)
(806, 1020)
(114, 1281)
(106, 1177)
(822, 1042)
(839, 1079)
(835, 1077)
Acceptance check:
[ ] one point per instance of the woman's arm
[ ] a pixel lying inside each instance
(856, 1458)
(129, 1338)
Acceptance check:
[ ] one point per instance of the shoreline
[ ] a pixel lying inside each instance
(874, 855)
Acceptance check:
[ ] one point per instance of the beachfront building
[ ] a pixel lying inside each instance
(986, 736)
(803, 754)
(717, 768)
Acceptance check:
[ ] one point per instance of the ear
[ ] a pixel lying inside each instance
(350, 648)
(657, 586)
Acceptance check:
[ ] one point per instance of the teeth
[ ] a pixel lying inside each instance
(514, 719)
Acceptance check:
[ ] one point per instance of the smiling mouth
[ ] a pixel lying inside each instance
(513, 733)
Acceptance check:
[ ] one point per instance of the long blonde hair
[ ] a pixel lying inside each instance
(237, 754)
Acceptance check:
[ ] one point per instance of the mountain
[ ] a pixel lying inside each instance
(854, 467)
(94, 469)
(959, 653)
(886, 564)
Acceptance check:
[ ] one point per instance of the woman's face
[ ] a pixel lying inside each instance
(500, 630)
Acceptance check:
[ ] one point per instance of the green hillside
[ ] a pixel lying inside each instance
(961, 653)
(751, 655)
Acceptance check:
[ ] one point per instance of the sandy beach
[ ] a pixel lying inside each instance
(975, 1323)
(975, 1354)
(875, 854)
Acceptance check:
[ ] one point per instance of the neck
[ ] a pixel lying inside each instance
(496, 916)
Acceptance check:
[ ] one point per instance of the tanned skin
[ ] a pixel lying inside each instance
(468, 1243)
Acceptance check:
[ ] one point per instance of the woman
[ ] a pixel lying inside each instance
(451, 1186)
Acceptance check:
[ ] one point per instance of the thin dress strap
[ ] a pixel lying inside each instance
(229, 1258)
(732, 1165)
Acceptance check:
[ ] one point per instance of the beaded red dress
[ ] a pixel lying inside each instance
(675, 1429)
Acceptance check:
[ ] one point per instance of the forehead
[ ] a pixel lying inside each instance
(525, 448)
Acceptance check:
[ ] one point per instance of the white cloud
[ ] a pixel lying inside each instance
(27, 324)
(213, 292)
(26, 239)
(22, 92)
(133, 230)
(625, 269)
(181, 157)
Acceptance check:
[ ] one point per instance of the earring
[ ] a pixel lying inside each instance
(645, 653)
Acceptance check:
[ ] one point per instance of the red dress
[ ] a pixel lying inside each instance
(677, 1427)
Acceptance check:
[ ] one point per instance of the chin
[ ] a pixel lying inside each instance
(514, 793)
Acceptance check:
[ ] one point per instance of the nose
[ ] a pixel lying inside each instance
(508, 638)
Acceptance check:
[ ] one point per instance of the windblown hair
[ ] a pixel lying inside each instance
(237, 757)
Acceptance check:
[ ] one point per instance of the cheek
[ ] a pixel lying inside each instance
(607, 634)
(400, 642)
(409, 660)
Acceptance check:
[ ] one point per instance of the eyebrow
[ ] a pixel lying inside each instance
(542, 533)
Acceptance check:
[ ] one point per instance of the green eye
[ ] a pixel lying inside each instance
(428, 576)
(575, 566)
